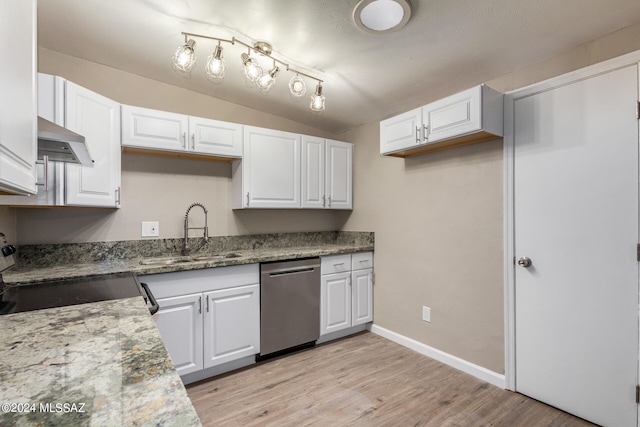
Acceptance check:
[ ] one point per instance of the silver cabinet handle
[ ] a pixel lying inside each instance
(193, 141)
(207, 303)
(200, 305)
(247, 199)
(425, 132)
(118, 195)
(184, 140)
(329, 201)
(417, 135)
(45, 159)
(338, 264)
(324, 202)
(525, 262)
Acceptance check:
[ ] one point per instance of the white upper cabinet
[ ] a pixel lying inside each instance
(269, 174)
(313, 172)
(154, 129)
(18, 110)
(164, 131)
(471, 116)
(339, 174)
(215, 137)
(97, 118)
(401, 132)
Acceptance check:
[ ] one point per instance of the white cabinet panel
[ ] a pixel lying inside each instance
(313, 172)
(18, 110)
(271, 169)
(231, 324)
(215, 137)
(401, 132)
(179, 321)
(335, 313)
(97, 118)
(455, 115)
(339, 171)
(147, 128)
(362, 297)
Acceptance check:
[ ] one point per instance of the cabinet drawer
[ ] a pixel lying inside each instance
(361, 260)
(335, 264)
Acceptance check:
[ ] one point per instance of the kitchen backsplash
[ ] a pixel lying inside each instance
(69, 253)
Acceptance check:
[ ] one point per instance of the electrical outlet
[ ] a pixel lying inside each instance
(426, 313)
(150, 228)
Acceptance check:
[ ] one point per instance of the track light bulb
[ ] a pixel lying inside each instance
(317, 99)
(250, 68)
(266, 82)
(185, 56)
(215, 64)
(297, 86)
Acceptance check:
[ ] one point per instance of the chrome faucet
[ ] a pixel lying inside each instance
(187, 247)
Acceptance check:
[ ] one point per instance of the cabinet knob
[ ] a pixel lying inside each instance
(525, 262)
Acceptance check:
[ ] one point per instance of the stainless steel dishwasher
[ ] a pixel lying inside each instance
(289, 306)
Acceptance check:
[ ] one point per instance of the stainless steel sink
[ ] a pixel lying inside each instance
(165, 261)
(186, 259)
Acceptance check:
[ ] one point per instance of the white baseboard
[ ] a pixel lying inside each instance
(465, 366)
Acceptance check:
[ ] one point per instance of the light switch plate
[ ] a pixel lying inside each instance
(150, 228)
(426, 313)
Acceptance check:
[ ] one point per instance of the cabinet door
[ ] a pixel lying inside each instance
(97, 118)
(231, 324)
(271, 170)
(313, 172)
(153, 129)
(179, 321)
(18, 109)
(215, 137)
(361, 297)
(401, 131)
(455, 115)
(339, 174)
(335, 302)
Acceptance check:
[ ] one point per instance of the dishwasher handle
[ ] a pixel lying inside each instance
(289, 271)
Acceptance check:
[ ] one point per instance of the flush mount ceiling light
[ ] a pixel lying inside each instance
(381, 16)
(185, 57)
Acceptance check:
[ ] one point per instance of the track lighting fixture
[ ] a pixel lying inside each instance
(185, 58)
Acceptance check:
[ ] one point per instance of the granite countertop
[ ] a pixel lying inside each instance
(91, 364)
(35, 274)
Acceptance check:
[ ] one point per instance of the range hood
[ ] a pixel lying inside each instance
(61, 145)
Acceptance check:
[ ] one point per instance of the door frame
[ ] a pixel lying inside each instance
(623, 61)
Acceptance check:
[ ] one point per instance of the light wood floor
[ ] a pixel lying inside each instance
(363, 380)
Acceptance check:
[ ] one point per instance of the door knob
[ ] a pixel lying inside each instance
(524, 262)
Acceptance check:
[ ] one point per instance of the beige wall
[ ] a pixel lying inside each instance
(438, 221)
(438, 218)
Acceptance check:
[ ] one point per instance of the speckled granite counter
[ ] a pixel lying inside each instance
(53, 262)
(105, 359)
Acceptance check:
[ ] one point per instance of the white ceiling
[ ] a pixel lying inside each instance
(447, 46)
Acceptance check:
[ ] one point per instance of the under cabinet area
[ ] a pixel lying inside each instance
(151, 131)
(209, 319)
(346, 298)
(468, 117)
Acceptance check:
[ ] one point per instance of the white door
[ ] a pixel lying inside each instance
(231, 324)
(335, 302)
(361, 296)
(271, 168)
(339, 172)
(179, 321)
(401, 131)
(18, 109)
(576, 218)
(153, 129)
(97, 118)
(313, 191)
(215, 137)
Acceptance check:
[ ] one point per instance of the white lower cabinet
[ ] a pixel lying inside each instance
(346, 298)
(209, 317)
